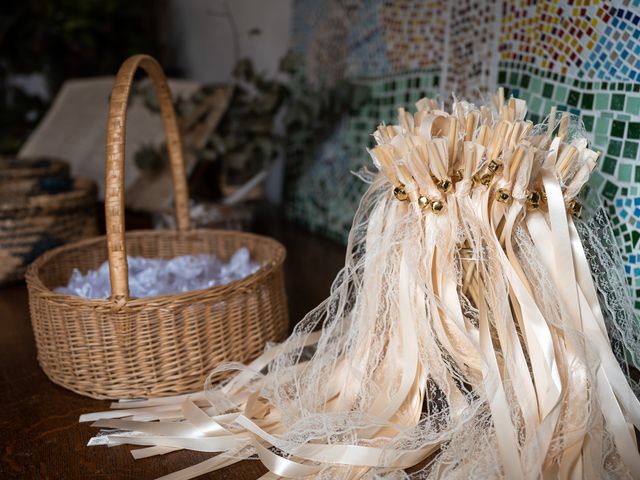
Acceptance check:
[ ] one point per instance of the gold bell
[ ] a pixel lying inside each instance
(486, 179)
(503, 196)
(533, 201)
(437, 206)
(457, 176)
(400, 193)
(575, 208)
(423, 202)
(444, 185)
(494, 166)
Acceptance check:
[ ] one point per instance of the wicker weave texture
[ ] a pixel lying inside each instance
(32, 224)
(154, 346)
(125, 347)
(31, 168)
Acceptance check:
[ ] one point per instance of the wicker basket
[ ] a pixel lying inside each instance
(33, 222)
(12, 168)
(24, 177)
(127, 348)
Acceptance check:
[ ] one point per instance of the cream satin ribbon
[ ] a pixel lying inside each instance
(558, 392)
(219, 438)
(537, 334)
(366, 307)
(574, 362)
(540, 346)
(589, 307)
(506, 433)
(347, 455)
(515, 362)
(564, 272)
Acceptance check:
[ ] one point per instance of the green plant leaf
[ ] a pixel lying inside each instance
(265, 146)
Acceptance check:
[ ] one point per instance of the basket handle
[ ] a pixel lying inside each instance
(114, 194)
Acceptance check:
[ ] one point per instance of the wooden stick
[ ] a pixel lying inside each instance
(565, 159)
(564, 125)
(551, 122)
(472, 123)
(515, 162)
(452, 143)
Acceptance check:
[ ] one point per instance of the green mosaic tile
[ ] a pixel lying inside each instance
(536, 103)
(525, 95)
(624, 172)
(633, 130)
(548, 105)
(560, 94)
(609, 165)
(610, 190)
(535, 85)
(588, 122)
(602, 126)
(602, 101)
(617, 129)
(637, 179)
(587, 101)
(633, 105)
(596, 179)
(525, 80)
(615, 147)
(573, 99)
(630, 150)
(547, 90)
(617, 102)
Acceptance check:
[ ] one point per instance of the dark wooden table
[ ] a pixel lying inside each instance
(40, 435)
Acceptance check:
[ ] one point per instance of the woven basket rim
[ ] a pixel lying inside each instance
(35, 283)
(82, 187)
(21, 167)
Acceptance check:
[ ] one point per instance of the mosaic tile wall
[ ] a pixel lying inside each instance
(582, 56)
(326, 196)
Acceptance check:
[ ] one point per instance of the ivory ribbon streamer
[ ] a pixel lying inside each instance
(464, 333)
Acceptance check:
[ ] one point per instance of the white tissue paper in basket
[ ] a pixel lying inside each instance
(149, 277)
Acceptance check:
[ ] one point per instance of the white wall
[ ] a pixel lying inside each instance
(201, 40)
